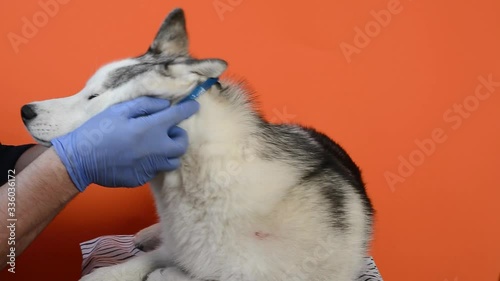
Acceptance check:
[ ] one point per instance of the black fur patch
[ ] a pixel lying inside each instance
(147, 63)
(338, 159)
(124, 74)
(322, 161)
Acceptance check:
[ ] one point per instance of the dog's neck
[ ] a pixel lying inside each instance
(225, 116)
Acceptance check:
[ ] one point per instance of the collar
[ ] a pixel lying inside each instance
(200, 89)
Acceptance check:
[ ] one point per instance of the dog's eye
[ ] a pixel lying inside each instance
(93, 96)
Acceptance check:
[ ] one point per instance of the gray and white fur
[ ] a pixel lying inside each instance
(252, 201)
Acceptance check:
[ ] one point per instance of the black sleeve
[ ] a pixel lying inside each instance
(8, 158)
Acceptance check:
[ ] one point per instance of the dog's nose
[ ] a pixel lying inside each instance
(28, 112)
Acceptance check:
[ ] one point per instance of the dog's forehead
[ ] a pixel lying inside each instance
(118, 73)
(103, 73)
(150, 58)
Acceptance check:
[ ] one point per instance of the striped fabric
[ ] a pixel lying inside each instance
(109, 250)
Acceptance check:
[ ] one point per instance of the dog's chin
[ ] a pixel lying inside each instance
(43, 142)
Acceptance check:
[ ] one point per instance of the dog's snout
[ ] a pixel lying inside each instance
(28, 112)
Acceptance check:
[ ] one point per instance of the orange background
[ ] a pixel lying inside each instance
(441, 223)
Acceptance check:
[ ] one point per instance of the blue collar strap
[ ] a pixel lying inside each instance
(200, 89)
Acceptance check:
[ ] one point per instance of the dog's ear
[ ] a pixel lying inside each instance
(172, 37)
(208, 67)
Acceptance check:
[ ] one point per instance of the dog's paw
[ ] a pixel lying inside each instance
(148, 239)
(168, 274)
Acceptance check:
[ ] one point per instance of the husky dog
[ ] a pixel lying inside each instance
(252, 201)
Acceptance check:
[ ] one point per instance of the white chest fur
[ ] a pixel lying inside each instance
(214, 203)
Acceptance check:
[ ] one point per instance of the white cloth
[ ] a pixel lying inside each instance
(109, 250)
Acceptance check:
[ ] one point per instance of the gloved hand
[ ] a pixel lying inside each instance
(126, 144)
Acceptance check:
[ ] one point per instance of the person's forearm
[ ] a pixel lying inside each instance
(29, 156)
(41, 192)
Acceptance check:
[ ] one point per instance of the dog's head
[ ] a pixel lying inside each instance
(165, 71)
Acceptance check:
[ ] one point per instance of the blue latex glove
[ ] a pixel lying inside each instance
(126, 144)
